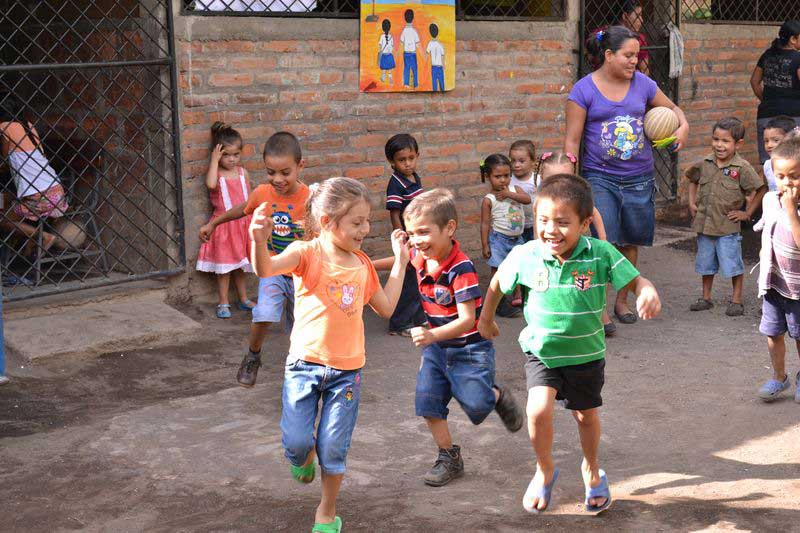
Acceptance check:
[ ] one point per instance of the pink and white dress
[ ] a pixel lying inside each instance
(228, 248)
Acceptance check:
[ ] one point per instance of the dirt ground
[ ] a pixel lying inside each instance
(164, 440)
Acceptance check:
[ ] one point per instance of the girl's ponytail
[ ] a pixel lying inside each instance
(224, 134)
(609, 39)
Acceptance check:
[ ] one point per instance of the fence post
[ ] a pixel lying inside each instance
(3, 378)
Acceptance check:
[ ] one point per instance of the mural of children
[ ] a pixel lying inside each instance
(386, 52)
(410, 40)
(436, 52)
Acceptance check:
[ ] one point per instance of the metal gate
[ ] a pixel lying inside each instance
(655, 15)
(90, 167)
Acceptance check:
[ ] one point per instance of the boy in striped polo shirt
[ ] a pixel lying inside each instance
(565, 273)
(456, 360)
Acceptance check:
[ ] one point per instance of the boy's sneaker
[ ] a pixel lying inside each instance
(773, 388)
(797, 388)
(509, 410)
(248, 370)
(447, 467)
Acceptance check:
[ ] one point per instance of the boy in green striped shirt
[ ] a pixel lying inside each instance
(565, 274)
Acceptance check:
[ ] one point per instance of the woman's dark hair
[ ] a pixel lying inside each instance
(224, 134)
(628, 7)
(386, 25)
(13, 110)
(398, 142)
(789, 29)
(611, 38)
(492, 162)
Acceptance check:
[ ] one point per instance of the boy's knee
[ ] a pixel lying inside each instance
(586, 417)
(297, 448)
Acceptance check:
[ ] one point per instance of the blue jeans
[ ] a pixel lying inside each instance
(500, 245)
(437, 77)
(466, 373)
(719, 254)
(410, 66)
(627, 205)
(304, 385)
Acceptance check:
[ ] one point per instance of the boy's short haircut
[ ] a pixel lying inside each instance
(409, 15)
(781, 122)
(398, 142)
(437, 205)
(571, 189)
(732, 125)
(789, 147)
(283, 143)
(434, 29)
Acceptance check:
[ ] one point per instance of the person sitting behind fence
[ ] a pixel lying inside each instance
(39, 191)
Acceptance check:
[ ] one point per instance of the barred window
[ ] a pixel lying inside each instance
(741, 10)
(465, 9)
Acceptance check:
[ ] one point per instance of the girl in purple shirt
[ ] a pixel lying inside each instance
(606, 109)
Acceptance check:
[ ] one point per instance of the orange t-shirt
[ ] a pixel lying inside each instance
(287, 213)
(328, 304)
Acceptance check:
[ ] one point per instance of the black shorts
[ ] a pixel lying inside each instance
(578, 387)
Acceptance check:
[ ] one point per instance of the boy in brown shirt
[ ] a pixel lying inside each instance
(718, 187)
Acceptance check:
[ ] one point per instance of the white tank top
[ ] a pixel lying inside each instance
(507, 216)
(31, 172)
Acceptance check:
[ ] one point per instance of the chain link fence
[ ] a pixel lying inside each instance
(89, 174)
(649, 18)
(741, 10)
(465, 9)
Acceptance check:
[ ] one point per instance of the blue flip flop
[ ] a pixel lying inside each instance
(539, 493)
(600, 491)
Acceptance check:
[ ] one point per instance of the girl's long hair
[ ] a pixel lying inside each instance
(13, 110)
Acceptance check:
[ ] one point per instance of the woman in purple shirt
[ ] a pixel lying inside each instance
(606, 109)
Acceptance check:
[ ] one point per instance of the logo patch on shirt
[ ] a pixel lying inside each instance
(344, 297)
(441, 295)
(732, 173)
(582, 280)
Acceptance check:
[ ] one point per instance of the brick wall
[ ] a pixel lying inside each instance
(302, 76)
(719, 60)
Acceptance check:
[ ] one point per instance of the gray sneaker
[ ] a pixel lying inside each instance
(797, 388)
(447, 467)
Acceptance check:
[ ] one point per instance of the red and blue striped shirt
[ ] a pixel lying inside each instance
(454, 281)
(401, 190)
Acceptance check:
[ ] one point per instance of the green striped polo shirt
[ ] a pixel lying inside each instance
(564, 304)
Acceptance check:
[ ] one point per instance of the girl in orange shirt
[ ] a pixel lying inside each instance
(333, 279)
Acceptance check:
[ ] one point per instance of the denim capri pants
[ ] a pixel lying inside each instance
(500, 245)
(627, 206)
(719, 254)
(304, 385)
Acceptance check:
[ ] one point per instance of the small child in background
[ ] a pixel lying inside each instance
(774, 132)
(779, 275)
(553, 163)
(523, 176)
(286, 198)
(565, 274)
(456, 361)
(334, 280)
(402, 152)
(39, 191)
(502, 219)
(718, 187)
(224, 253)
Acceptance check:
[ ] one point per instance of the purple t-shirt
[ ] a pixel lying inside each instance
(613, 136)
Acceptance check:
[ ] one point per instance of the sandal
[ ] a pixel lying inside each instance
(734, 309)
(246, 305)
(539, 493)
(701, 305)
(304, 474)
(600, 491)
(610, 329)
(625, 318)
(224, 311)
(328, 527)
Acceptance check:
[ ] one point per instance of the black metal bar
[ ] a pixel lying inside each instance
(92, 285)
(176, 141)
(90, 65)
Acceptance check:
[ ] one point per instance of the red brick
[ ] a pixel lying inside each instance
(256, 98)
(364, 172)
(281, 46)
(342, 95)
(228, 46)
(253, 63)
(199, 100)
(330, 77)
(364, 141)
(530, 88)
(230, 80)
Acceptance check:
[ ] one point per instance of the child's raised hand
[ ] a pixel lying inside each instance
(789, 199)
(216, 154)
(501, 195)
(488, 329)
(261, 224)
(400, 245)
(422, 336)
(648, 304)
